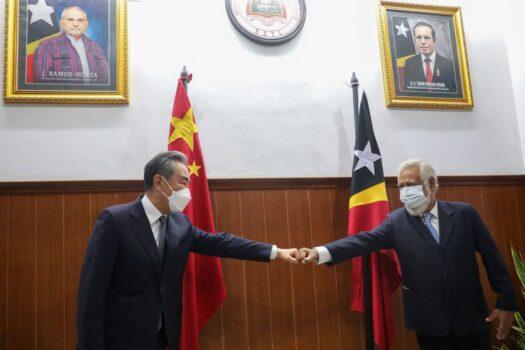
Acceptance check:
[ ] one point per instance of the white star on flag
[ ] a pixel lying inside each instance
(41, 11)
(402, 30)
(366, 158)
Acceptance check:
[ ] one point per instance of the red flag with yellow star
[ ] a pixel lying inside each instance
(203, 285)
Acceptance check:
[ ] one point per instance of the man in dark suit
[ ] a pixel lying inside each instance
(436, 242)
(428, 70)
(130, 291)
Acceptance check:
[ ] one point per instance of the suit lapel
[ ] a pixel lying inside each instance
(437, 65)
(417, 223)
(420, 71)
(446, 222)
(142, 230)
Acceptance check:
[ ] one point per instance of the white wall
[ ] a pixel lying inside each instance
(514, 31)
(276, 111)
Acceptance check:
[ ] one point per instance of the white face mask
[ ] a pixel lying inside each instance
(414, 199)
(178, 200)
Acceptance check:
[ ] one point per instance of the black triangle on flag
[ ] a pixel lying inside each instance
(42, 20)
(367, 169)
(404, 42)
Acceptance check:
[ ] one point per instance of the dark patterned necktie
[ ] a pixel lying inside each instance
(163, 230)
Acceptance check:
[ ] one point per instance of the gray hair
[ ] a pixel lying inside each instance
(426, 170)
(72, 8)
(162, 164)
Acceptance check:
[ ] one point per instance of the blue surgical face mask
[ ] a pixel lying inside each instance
(412, 196)
(414, 199)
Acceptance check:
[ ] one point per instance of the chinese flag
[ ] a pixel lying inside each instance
(368, 208)
(203, 286)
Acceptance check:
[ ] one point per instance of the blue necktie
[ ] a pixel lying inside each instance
(162, 236)
(427, 217)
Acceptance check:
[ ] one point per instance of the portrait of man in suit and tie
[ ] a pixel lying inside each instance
(424, 57)
(428, 70)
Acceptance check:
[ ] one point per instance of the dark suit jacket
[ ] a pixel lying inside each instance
(441, 285)
(123, 285)
(443, 72)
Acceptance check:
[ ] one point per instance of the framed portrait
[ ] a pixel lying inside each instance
(424, 57)
(66, 51)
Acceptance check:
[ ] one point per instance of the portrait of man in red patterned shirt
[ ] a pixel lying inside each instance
(71, 57)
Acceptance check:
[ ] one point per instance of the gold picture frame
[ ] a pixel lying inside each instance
(44, 62)
(428, 70)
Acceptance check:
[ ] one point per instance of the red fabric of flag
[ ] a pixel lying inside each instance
(203, 285)
(385, 276)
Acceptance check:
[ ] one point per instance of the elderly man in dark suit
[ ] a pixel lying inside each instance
(130, 292)
(436, 242)
(428, 70)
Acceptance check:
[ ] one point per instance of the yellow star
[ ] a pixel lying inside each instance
(194, 169)
(184, 128)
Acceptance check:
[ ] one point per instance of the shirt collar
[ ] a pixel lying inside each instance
(152, 212)
(75, 41)
(433, 211)
(432, 57)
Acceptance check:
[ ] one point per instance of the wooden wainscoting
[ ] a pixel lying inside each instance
(44, 227)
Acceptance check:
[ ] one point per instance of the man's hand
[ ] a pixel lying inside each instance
(307, 255)
(290, 255)
(505, 320)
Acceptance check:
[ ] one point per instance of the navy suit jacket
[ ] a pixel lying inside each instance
(441, 286)
(443, 72)
(124, 287)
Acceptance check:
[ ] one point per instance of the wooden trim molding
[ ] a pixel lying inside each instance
(98, 186)
(344, 182)
(49, 187)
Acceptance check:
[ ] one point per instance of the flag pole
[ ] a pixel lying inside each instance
(186, 77)
(369, 330)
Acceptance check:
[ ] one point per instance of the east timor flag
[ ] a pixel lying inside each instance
(42, 24)
(368, 208)
(203, 285)
(403, 45)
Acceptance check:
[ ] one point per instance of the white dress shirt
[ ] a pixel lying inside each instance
(79, 46)
(153, 215)
(325, 256)
(432, 60)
